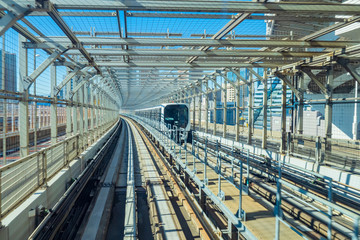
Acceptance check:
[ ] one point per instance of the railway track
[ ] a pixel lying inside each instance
(125, 192)
(264, 173)
(343, 194)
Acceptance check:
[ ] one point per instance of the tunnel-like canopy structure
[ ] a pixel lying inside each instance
(275, 79)
(143, 52)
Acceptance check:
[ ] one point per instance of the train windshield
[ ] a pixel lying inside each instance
(176, 115)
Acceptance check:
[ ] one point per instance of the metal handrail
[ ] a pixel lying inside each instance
(46, 168)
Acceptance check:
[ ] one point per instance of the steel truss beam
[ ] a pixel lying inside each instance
(214, 6)
(240, 77)
(324, 59)
(192, 52)
(224, 16)
(30, 79)
(316, 80)
(350, 69)
(239, 18)
(67, 79)
(54, 14)
(289, 84)
(248, 43)
(185, 65)
(15, 12)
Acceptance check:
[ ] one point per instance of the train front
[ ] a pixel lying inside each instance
(177, 115)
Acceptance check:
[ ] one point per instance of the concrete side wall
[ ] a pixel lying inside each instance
(18, 225)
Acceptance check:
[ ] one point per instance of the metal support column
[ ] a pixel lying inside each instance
(225, 109)
(265, 108)
(86, 114)
(81, 117)
(69, 120)
(283, 119)
(250, 110)
(24, 102)
(214, 108)
(74, 108)
(4, 125)
(199, 101)
(53, 106)
(300, 125)
(92, 111)
(206, 106)
(194, 109)
(328, 109)
(237, 110)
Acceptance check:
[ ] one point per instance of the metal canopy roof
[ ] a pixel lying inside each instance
(146, 50)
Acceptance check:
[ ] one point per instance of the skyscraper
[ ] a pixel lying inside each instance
(10, 71)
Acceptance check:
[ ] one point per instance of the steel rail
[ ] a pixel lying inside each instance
(130, 227)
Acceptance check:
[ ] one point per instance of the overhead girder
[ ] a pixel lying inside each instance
(282, 17)
(243, 43)
(184, 65)
(316, 80)
(193, 52)
(54, 14)
(15, 11)
(316, 34)
(239, 18)
(213, 6)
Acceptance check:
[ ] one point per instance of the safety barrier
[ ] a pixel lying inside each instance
(21, 178)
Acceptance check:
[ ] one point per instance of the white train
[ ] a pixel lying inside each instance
(168, 115)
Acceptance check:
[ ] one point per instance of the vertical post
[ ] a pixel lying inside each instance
(86, 113)
(92, 120)
(194, 108)
(36, 122)
(355, 121)
(328, 109)
(232, 162)
(206, 106)
(68, 111)
(329, 231)
(250, 110)
(278, 203)
(300, 126)
(240, 190)
(248, 169)
(199, 101)
(24, 102)
(205, 163)
(81, 116)
(53, 106)
(317, 154)
(97, 114)
(74, 108)
(237, 110)
(265, 107)
(214, 107)
(283, 119)
(4, 105)
(225, 109)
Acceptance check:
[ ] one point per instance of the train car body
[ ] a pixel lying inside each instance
(169, 116)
